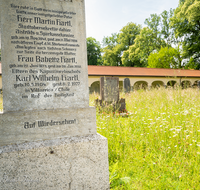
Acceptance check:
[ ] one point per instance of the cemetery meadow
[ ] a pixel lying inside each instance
(156, 144)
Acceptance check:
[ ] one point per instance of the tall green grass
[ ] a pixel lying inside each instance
(158, 145)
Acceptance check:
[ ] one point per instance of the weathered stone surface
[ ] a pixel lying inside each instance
(48, 136)
(109, 89)
(198, 84)
(127, 85)
(44, 60)
(19, 127)
(69, 163)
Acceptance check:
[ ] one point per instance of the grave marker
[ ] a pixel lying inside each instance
(198, 84)
(109, 89)
(48, 136)
(127, 85)
(109, 94)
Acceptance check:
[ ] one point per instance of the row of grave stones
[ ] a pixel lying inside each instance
(48, 137)
(126, 87)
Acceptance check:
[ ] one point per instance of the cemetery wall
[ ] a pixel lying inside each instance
(148, 80)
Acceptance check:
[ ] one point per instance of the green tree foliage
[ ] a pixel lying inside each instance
(191, 64)
(111, 41)
(167, 33)
(186, 22)
(167, 57)
(111, 56)
(128, 34)
(170, 40)
(93, 52)
(115, 45)
(158, 34)
(137, 54)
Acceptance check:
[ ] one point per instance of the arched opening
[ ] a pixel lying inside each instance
(140, 85)
(186, 84)
(95, 87)
(171, 83)
(195, 85)
(157, 84)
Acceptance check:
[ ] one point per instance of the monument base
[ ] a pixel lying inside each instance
(113, 106)
(75, 163)
(26, 126)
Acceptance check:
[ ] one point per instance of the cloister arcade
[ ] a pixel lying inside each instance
(147, 83)
(143, 78)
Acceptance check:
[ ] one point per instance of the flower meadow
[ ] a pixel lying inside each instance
(156, 144)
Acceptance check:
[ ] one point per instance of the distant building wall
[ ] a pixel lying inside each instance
(151, 81)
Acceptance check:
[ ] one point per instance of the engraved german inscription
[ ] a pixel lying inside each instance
(45, 47)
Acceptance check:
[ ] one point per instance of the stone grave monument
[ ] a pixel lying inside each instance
(127, 85)
(198, 84)
(48, 137)
(109, 94)
(109, 89)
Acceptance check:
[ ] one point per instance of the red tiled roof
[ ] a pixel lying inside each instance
(140, 71)
(137, 71)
